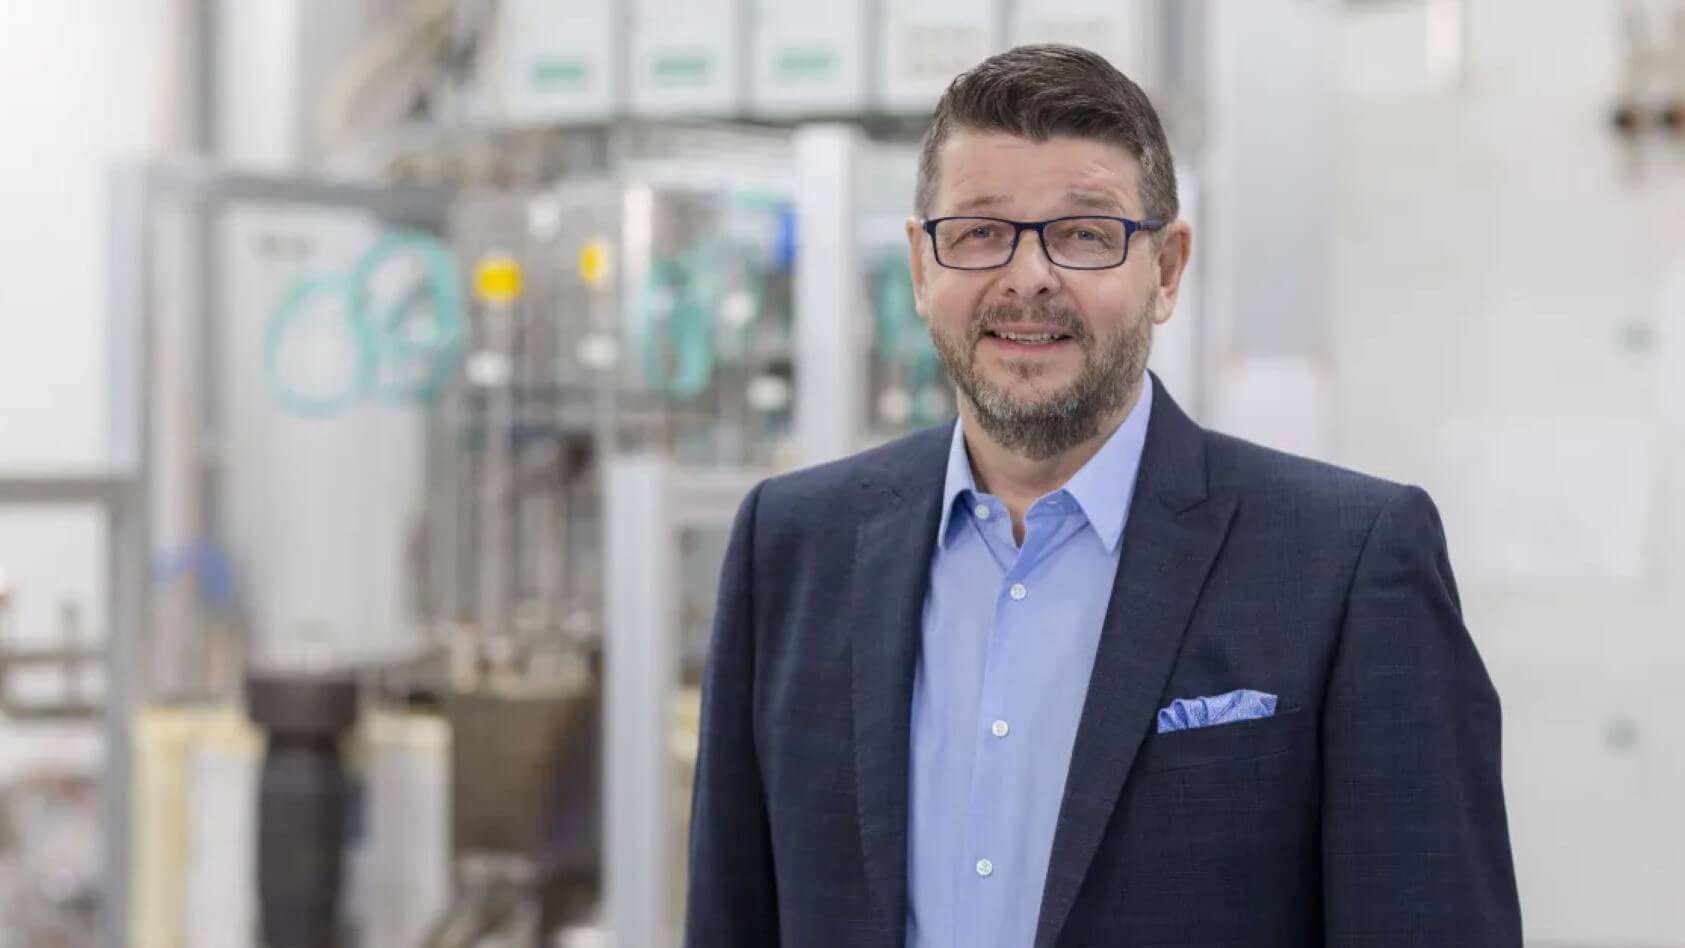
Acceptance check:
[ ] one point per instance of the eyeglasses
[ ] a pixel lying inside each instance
(1075, 243)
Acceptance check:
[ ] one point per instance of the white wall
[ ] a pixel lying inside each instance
(1488, 262)
(82, 82)
(1266, 230)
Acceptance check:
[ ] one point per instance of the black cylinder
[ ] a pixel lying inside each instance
(304, 798)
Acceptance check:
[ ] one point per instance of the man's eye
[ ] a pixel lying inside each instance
(981, 232)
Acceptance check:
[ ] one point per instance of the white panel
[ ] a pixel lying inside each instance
(557, 61)
(924, 45)
(1120, 30)
(809, 58)
(831, 362)
(687, 57)
(222, 776)
(640, 671)
(1583, 799)
(1565, 501)
(399, 870)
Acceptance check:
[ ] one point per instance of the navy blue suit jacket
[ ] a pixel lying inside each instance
(1367, 812)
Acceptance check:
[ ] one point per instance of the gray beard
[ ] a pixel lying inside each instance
(1039, 428)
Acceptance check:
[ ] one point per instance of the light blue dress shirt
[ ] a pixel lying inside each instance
(1008, 646)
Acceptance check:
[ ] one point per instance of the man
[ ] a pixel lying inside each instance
(1074, 671)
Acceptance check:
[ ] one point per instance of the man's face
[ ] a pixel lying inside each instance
(1038, 395)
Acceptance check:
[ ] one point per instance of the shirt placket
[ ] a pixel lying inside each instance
(990, 872)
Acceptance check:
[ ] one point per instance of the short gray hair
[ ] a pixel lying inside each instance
(1046, 91)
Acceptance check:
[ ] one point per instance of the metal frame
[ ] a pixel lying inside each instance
(648, 500)
(72, 488)
(118, 491)
(830, 352)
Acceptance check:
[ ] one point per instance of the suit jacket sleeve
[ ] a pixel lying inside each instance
(1415, 837)
(732, 900)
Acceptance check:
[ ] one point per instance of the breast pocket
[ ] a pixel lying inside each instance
(1224, 743)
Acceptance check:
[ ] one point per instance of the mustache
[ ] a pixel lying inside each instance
(1061, 318)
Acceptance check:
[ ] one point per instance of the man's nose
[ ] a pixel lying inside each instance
(1030, 275)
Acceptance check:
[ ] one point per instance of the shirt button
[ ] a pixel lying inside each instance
(985, 868)
(999, 729)
(982, 511)
(1018, 592)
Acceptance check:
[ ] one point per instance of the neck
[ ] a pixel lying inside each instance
(1017, 480)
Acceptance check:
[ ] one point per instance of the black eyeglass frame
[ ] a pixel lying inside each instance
(1130, 228)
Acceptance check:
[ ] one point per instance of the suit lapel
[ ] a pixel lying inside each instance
(1174, 532)
(891, 574)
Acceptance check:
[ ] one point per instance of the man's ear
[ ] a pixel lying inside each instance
(1175, 249)
(916, 263)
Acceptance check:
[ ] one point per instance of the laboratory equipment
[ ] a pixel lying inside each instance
(923, 46)
(909, 387)
(811, 60)
(389, 357)
(687, 58)
(556, 62)
(639, 313)
(304, 805)
(1123, 31)
(308, 512)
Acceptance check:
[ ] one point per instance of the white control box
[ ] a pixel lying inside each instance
(810, 58)
(925, 45)
(557, 61)
(687, 57)
(1123, 31)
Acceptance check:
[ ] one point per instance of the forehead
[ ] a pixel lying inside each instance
(1002, 173)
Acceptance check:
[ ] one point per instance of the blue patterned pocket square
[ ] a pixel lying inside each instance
(1186, 714)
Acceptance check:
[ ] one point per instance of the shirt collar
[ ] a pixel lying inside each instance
(1103, 487)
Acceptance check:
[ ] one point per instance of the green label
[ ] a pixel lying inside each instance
(559, 73)
(806, 63)
(685, 68)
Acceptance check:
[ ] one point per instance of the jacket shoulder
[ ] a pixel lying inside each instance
(1258, 473)
(824, 486)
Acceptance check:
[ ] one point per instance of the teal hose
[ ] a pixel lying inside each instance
(391, 360)
(282, 322)
(680, 361)
(689, 337)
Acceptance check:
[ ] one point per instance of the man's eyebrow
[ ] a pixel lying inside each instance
(1095, 201)
(979, 203)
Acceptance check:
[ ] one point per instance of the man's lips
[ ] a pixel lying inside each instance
(1027, 337)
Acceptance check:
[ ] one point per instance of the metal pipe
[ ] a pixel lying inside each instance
(495, 472)
(128, 519)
